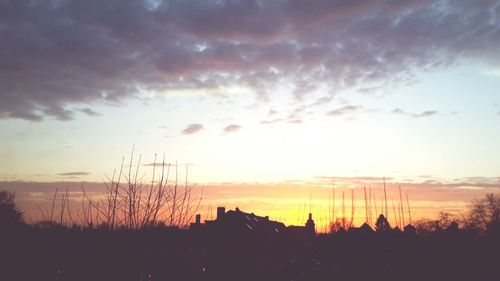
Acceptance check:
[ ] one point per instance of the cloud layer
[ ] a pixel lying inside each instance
(57, 57)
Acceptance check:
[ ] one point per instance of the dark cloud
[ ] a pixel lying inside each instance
(192, 128)
(90, 112)
(73, 174)
(58, 56)
(426, 113)
(231, 128)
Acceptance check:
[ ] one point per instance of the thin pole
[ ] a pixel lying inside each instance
(310, 203)
(408, 204)
(343, 209)
(401, 206)
(395, 214)
(366, 205)
(352, 207)
(385, 201)
(370, 196)
(333, 198)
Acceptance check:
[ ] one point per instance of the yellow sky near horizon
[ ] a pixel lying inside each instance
(290, 202)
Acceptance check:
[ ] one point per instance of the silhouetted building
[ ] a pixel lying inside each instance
(221, 211)
(363, 229)
(310, 226)
(382, 224)
(238, 221)
(303, 232)
(197, 223)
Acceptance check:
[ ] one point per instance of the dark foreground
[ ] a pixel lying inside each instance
(58, 253)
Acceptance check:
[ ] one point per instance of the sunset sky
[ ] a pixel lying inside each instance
(263, 101)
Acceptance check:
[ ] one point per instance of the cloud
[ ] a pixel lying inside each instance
(272, 112)
(231, 128)
(426, 113)
(271, 121)
(192, 128)
(345, 110)
(107, 52)
(73, 174)
(90, 112)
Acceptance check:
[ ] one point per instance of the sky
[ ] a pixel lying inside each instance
(254, 94)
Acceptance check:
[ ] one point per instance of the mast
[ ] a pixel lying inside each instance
(395, 214)
(385, 201)
(370, 209)
(333, 199)
(366, 206)
(352, 208)
(310, 201)
(408, 204)
(401, 206)
(343, 209)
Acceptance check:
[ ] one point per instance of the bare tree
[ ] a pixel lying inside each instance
(484, 214)
(131, 203)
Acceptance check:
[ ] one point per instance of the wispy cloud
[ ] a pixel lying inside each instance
(272, 112)
(345, 110)
(231, 128)
(272, 121)
(73, 174)
(426, 113)
(192, 128)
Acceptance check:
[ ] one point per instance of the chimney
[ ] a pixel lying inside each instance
(220, 212)
(198, 219)
(266, 218)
